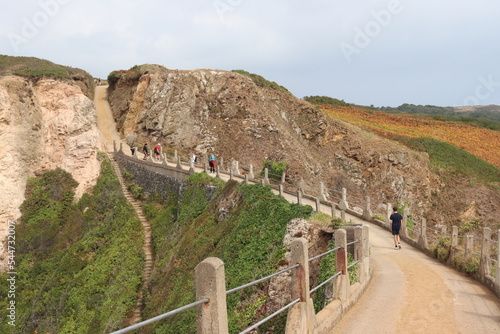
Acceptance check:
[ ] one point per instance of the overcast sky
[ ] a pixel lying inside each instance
(380, 52)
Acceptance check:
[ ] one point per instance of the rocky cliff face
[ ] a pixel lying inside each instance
(44, 124)
(228, 113)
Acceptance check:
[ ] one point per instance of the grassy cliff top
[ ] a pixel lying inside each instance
(31, 67)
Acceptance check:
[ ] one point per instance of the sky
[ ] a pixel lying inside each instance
(368, 52)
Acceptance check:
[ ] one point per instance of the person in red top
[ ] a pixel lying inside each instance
(157, 151)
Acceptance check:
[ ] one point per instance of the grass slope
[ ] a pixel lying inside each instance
(79, 264)
(190, 229)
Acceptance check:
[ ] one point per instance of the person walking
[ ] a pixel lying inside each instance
(211, 163)
(396, 219)
(145, 150)
(132, 149)
(157, 151)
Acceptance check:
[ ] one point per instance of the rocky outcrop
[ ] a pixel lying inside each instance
(237, 118)
(44, 124)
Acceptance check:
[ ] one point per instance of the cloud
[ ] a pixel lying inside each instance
(426, 52)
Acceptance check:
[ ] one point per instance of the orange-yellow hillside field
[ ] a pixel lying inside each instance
(479, 141)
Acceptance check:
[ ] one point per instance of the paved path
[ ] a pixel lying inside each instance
(409, 292)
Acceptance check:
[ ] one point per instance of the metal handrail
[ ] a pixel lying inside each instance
(353, 264)
(161, 316)
(323, 254)
(261, 279)
(325, 282)
(271, 316)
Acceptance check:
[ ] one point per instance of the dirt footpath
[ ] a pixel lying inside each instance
(412, 293)
(105, 121)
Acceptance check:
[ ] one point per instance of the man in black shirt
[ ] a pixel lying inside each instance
(396, 219)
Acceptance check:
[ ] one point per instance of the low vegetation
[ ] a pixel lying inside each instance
(262, 82)
(35, 68)
(446, 142)
(79, 263)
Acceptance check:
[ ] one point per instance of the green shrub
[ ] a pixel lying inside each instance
(471, 264)
(468, 264)
(204, 179)
(127, 175)
(136, 191)
(442, 248)
(274, 168)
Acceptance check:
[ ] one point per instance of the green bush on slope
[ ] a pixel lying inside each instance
(79, 264)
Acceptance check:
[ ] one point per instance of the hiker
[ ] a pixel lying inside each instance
(132, 149)
(157, 151)
(211, 163)
(396, 226)
(145, 150)
(193, 159)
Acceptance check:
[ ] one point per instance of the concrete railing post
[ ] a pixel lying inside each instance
(217, 171)
(454, 240)
(300, 280)
(484, 265)
(358, 251)
(280, 189)
(404, 224)
(388, 214)
(121, 148)
(283, 178)
(332, 208)
(343, 205)
(178, 163)
(265, 180)
(301, 185)
(236, 167)
(114, 146)
(341, 287)
(367, 212)
(469, 244)
(205, 163)
(211, 283)
(164, 160)
(322, 196)
(422, 240)
(300, 276)
(221, 164)
(251, 174)
(175, 154)
(299, 196)
(366, 254)
(318, 205)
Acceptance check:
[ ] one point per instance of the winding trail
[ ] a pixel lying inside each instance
(108, 134)
(409, 292)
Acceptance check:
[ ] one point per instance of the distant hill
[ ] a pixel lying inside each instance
(484, 116)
